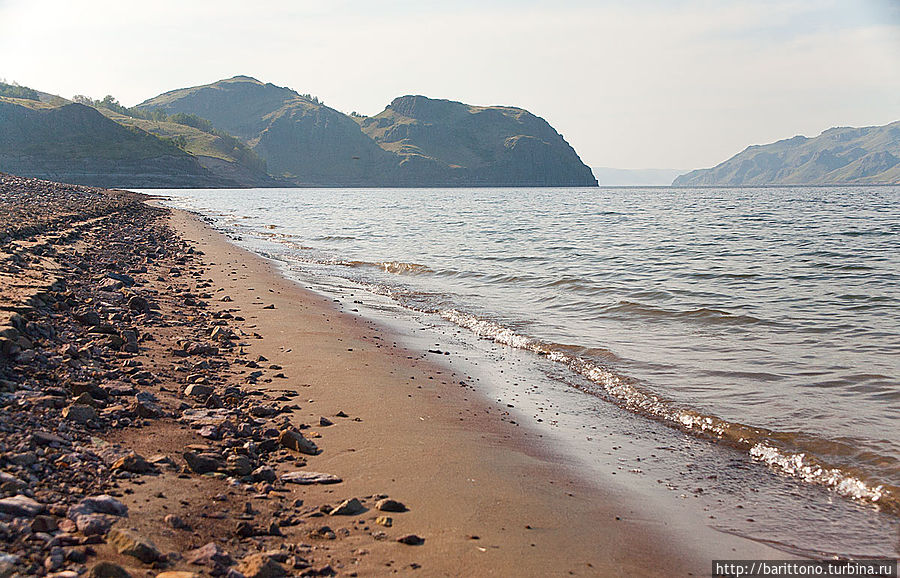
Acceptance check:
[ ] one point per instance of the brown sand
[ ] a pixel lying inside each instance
(442, 450)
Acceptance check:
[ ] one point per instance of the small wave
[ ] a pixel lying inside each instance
(702, 314)
(759, 443)
(395, 267)
(334, 238)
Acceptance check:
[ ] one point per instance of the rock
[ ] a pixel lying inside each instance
(385, 521)
(43, 438)
(209, 555)
(411, 540)
(349, 507)
(325, 422)
(308, 478)
(130, 544)
(108, 570)
(85, 399)
(176, 522)
(203, 463)
(139, 304)
(294, 440)
(177, 574)
(20, 506)
(389, 505)
(94, 524)
(134, 463)
(102, 504)
(264, 474)
(261, 566)
(322, 533)
(238, 465)
(198, 390)
(245, 529)
(44, 524)
(79, 413)
(10, 483)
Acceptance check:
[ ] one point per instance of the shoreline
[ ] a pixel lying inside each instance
(157, 381)
(642, 541)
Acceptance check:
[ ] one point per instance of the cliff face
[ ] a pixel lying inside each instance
(452, 143)
(415, 141)
(869, 155)
(76, 144)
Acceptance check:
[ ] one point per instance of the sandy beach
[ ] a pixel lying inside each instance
(205, 371)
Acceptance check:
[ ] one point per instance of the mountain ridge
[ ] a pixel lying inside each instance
(838, 156)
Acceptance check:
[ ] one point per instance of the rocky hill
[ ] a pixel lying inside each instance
(838, 156)
(76, 144)
(415, 141)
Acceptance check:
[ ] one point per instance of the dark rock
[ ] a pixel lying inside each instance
(411, 540)
(294, 440)
(203, 463)
(20, 506)
(209, 555)
(108, 570)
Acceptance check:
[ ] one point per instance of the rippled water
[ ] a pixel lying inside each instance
(765, 319)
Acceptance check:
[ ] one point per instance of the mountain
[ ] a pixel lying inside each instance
(450, 143)
(415, 141)
(611, 177)
(838, 156)
(76, 144)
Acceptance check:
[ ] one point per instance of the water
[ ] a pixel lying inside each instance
(762, 320)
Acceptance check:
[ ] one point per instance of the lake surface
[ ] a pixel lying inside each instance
(765, 321)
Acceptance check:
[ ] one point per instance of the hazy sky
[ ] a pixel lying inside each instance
(632, 84)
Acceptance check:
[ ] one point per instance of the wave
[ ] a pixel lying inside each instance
(395, 267)
(702, 314)
(783, 452)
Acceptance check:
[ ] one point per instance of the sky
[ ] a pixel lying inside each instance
(630, 84)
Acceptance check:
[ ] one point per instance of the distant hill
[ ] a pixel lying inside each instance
(845, 155)
(611, 177)
(415, 141)
(76, 144)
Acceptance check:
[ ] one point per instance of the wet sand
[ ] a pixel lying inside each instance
(484, 496)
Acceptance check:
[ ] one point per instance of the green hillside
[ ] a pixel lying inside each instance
(845, 155)
(416, 141)
(75, 143)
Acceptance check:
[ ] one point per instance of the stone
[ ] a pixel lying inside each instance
(349, 507)
(44, 524)
(108, 570)
(79, 413)
(177, 574)
(411, 540)
(322, 533)
(9, 483)
(261, 566)
(43, 438)
(102, 504)
(325, 422)
(385, 521)
(309, 478)
(139, 304)
(264, 474)
(294, 440)
(238, 465)
(389, 505)
(176, 522)
(134, 463)
(85, 399)
(209, 555)
(94, 524)
(130, 544)
(198, 390)
(20, 506)
(203, 463)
